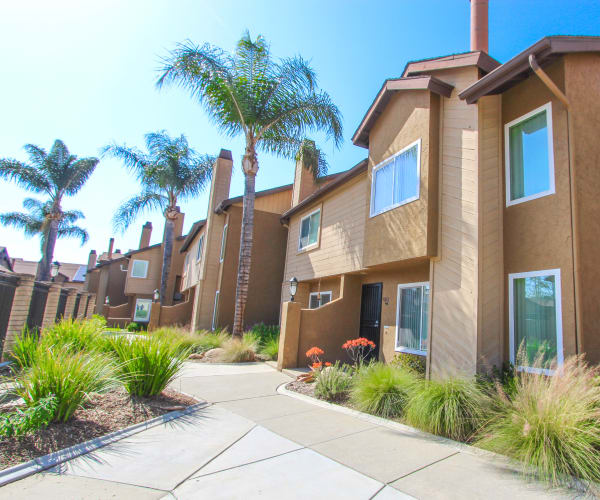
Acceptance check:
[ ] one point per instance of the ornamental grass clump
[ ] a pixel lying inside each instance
(270, 347)
(550, 424)
(148, 364)
(70, 377)
(334, 382)
(25, 348)
(453, 407)
(382, 390)
(237, 350)
(74, 335)
(193, 342)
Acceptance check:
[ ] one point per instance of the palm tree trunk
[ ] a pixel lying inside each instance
(167, 255)
(43, 270)
(250, 165)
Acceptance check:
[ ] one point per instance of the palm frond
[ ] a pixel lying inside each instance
(313, 159)
(37, 155)
(78, 173)
(29, 224)
(132, 158)
(36, 206)
(130, 209)
(74, 232)
(23, 175)
(70, 216)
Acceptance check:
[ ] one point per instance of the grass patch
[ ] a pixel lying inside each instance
(148, 364)
(453, 407)
(193, 342)
(237, 350)
(70, 378)
(382, 390)
(550, 423)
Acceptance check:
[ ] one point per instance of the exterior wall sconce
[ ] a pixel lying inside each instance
(293, 288)
(107, 301)
(156, 295)
(54, 269)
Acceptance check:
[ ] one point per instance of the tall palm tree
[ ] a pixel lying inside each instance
(56, 174)
(273, 104)
(169, 172)
(37, 222)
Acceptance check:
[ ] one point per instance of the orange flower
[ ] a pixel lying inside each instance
(314, 351)
(327, 363)
(316, 366)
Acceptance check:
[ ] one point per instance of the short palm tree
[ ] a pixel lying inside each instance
(56, 174)
(169, 172)
(273, 104)
(37, 222)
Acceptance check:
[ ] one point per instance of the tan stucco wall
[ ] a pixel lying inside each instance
(582, 85)
(402, 233)
(147, 285)
(537, 233)
(275, 203)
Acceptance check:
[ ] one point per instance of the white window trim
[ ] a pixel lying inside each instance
(511, 322)
(200, 243)
(223, 243)
(145, 269)
(215, 310)
(548, 108)
(316, 243)
(407, 350)
(373, 213)
(317, 294)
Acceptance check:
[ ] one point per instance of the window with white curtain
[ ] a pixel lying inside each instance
(200, 249)
(529, 156)
(396, 180)
(535, 318)
(309, 230)
(412, 320)
(318, 299)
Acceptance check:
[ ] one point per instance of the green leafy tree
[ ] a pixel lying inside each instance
(170, 171)
(272, 104)
(56, 174)
(37, 222)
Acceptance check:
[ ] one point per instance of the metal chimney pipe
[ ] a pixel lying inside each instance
(479, 25)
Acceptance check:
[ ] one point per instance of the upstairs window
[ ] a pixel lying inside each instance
(139, 269)
(200, 249)
(318, 299)
(529, 156)
(396, 180)
(309, 230)
(412, 321)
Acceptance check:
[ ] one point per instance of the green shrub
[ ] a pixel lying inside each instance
(25, 348)
(148, 364)
(134, 327)
(193, 342)
(412, 362)
(73, 335)
(382, 389)
(264, 332)
(21, 422)
(550, 423)
(270, 347)
(454, 407)
(334, 382)
(71, 378)
(210, 340)
(237, 350)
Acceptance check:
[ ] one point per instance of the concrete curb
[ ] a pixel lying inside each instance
(390, 424)
(40, 464)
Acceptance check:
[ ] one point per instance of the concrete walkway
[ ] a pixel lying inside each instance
(254, 443)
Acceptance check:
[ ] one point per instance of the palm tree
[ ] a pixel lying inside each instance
(170, 171)
(55, 174)
(273, 104)
(36, 222)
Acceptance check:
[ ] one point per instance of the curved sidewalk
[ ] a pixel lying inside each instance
(252, 442)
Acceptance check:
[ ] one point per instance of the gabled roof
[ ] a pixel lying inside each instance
(225, 204)
(107, 263)
(478, 58)
(194, 230)
(390, 87)
(517, 69)
(342, 178)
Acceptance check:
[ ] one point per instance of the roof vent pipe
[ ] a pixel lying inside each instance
(479, 25)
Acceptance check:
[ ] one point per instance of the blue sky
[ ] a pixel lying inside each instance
(84, 72)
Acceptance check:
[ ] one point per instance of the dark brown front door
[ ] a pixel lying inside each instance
(370, 313)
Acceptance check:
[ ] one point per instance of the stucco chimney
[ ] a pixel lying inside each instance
(304, 183)
(92, 259)
(146, 234)
(221, 179)
(111, 244)
(479, 25)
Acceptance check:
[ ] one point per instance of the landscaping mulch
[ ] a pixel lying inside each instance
(302, 388)
(104, 414)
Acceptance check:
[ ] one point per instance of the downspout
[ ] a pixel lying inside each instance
(573, 197)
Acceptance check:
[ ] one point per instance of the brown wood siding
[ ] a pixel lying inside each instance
(582, 85)
(340, 251)
(275, 203)
(453, 341)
